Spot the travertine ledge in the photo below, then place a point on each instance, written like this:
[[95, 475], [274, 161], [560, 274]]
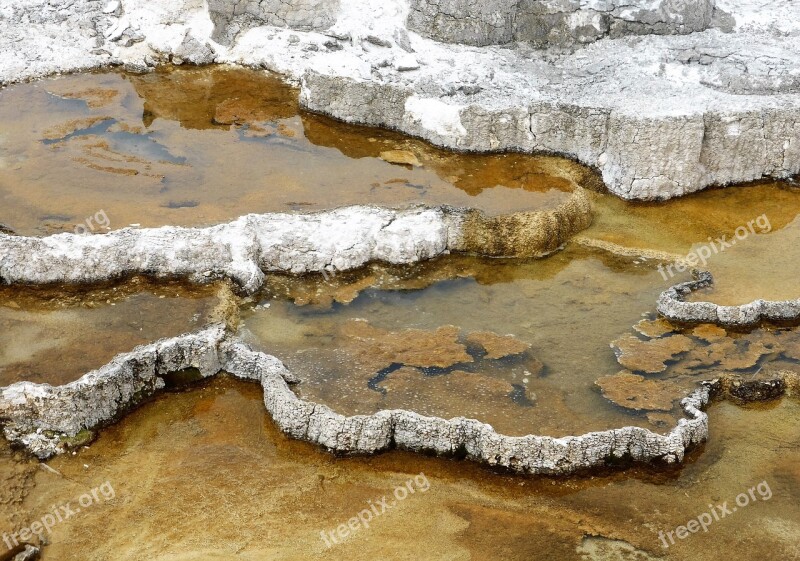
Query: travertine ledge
[[46, 419], [247, 248], [672, 305]]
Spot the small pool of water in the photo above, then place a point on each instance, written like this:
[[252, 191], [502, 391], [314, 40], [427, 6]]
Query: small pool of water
[[206, 145], [559, 346], [565, 308], [54, 336]]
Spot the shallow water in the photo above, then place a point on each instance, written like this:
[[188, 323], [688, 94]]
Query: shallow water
[[55, 336], [760, 264], [543, 303]]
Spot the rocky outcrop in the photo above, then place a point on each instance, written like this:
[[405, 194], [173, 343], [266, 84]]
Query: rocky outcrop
[[554, 22], [672, 305]]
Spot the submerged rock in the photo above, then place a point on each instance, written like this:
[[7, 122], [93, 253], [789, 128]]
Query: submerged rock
[[637, 392], [449, 395], [497, 346], [649, 356], [757, 388], [654, 328], [709, 332], [599, 548], [410, 347], [728, 354], [401, 157]]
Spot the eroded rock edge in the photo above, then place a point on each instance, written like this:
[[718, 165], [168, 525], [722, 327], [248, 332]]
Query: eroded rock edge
[[672, 305]]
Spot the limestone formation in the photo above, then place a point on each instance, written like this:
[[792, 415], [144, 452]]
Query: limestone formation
[[233, 18], [48, 420], [554, 22]]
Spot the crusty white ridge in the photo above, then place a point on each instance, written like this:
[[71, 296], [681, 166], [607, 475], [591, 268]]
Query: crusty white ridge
[[241, 250], [245, 249], [45, 419]]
